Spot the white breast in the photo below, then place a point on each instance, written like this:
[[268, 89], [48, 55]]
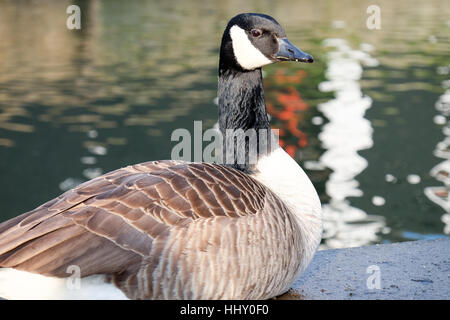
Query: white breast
[[280, 173]]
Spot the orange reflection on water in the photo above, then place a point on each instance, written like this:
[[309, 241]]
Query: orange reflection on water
[[287, 112]]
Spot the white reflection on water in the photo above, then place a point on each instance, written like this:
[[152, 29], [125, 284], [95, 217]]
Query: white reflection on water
[[346, 133], [95, 148], [441, 172], [91, 173], [69, 183]]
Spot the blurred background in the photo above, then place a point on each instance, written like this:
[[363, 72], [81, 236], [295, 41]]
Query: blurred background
[[367, 121]]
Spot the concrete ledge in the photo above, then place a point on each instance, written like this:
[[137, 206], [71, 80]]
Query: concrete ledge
[[406, 270]]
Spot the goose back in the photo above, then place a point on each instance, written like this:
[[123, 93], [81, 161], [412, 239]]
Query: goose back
[[164, 229]]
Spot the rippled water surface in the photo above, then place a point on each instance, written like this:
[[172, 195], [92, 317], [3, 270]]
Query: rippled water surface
[[368, 120]]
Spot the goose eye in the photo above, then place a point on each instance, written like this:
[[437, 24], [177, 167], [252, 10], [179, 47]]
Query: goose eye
[[256, 33]]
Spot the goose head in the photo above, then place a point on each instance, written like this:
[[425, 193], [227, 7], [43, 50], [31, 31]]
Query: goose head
[[252, 40]]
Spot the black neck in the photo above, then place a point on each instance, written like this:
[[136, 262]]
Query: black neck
[[242, 106]]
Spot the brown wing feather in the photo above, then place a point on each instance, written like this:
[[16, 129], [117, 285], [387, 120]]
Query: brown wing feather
[[114, 222]]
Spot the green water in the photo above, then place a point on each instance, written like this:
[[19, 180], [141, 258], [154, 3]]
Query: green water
[[77, 103]]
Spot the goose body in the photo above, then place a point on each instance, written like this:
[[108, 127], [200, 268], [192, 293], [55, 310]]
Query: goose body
[[174, 229]]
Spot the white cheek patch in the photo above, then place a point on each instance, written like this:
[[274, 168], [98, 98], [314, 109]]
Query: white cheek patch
[[247, 55]]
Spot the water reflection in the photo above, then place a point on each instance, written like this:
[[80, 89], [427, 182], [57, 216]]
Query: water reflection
[[441, 172], [346, 133]]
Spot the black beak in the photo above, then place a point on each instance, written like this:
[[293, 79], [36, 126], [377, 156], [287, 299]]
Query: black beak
[[289, 52]]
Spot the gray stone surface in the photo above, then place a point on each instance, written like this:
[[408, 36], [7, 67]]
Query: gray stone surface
[[406, 270]]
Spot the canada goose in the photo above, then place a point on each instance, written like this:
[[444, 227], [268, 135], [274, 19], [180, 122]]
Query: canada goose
[[175, 229]]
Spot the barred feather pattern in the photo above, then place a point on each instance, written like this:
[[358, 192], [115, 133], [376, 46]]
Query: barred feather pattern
[[164, 230]]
